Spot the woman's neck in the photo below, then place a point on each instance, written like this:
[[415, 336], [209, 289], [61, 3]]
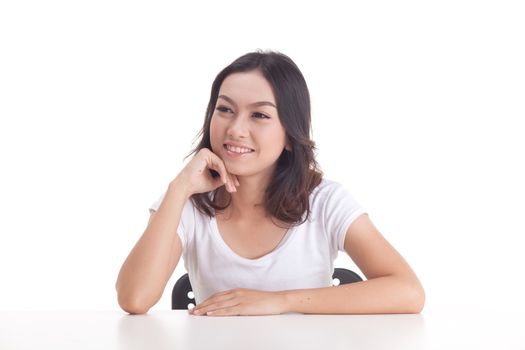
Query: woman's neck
[[244, 206]]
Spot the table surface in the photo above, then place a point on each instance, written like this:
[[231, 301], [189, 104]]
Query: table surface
[[176, 329]]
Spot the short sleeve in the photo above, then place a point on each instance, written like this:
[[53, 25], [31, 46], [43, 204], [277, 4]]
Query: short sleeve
[[187, 219], [339, 211]]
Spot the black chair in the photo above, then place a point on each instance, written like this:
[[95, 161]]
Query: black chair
[[180, 298]]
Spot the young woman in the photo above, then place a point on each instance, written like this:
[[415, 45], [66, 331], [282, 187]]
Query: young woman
[[257, 224]]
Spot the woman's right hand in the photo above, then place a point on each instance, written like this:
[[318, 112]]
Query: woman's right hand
[[197, 178]]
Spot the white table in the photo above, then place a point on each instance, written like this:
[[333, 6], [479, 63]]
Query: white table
[[178, 330]]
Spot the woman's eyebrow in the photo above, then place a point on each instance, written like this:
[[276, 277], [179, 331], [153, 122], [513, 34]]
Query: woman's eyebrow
[[260, 103]]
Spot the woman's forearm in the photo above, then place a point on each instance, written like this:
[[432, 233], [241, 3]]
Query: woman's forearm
[[382, 295], [145, 272]]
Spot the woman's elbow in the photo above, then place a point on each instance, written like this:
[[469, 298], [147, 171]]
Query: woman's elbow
[[416, 302], [133, 308]]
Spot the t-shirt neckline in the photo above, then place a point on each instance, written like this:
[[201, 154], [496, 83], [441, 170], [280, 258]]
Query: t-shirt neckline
[[229, 251]]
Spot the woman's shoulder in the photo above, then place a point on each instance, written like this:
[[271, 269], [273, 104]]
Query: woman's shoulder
[[332, 193], [326, 186]]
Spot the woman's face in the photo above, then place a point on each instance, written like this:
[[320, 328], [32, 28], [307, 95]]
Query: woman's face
[[246, 114]]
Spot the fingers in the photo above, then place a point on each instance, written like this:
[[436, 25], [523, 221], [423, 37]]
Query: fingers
[[216, 301], [228, 179], [219, 164], [232, 184]]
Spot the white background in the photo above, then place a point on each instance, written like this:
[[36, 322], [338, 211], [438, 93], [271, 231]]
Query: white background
[[417, 110]]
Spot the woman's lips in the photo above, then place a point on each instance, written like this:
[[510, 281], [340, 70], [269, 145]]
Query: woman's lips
[[236, 155]]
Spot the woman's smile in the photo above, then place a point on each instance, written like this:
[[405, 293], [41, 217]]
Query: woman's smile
[[236, 152]]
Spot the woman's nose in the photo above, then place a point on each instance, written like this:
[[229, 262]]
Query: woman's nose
[[238, 126]]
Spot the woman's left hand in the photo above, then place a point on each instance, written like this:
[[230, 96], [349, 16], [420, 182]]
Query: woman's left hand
[[241, 301]]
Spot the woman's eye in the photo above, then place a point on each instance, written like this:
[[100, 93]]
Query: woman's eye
[[257, 114], [262, 116], [223, 109]]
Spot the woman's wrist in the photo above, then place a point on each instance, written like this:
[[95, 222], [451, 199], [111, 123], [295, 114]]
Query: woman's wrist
[[177, 185]]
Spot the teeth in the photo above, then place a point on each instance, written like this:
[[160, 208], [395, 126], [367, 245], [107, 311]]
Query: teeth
[[238, 149]]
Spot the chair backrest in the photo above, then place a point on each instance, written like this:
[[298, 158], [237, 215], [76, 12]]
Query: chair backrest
[[182, 294]]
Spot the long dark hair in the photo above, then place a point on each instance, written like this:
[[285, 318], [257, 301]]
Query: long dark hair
[[297, 172]]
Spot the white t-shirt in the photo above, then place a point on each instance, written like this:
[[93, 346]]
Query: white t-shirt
[[303, 259]]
